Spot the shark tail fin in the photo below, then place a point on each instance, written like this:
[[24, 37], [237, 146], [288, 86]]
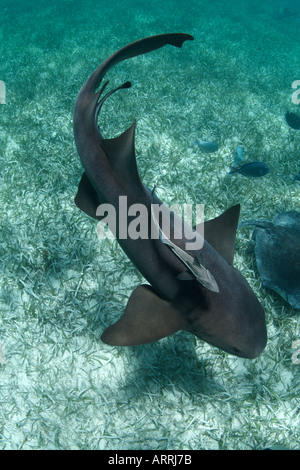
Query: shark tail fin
[[147, 318]]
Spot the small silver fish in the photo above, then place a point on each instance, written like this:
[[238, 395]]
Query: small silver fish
[[206, 146], [238, 155]]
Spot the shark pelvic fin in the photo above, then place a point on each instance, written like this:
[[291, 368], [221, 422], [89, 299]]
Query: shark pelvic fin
[[220, 232], [146, 318]]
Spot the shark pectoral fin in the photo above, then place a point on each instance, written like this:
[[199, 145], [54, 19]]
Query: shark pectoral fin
[[220, 232], [86, 198], [146, 318]]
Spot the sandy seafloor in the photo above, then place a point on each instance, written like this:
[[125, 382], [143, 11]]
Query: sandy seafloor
[[60, 386]]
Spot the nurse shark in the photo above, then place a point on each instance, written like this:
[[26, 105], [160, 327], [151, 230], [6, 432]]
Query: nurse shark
[[194, 290]]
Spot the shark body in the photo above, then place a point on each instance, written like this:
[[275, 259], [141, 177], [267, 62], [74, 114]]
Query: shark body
[[199, 291]]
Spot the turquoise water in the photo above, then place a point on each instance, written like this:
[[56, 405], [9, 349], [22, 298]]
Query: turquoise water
[[60, 387]]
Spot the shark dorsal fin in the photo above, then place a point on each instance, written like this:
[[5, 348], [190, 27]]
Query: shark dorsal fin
[[220, 232], [121, 155], [147, 318]]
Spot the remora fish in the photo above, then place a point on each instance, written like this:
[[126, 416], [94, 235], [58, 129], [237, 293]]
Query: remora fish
[[232, 318], [194, 266]]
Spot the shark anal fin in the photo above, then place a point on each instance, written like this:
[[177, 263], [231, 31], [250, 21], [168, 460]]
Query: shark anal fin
[[146, 318], [220, 232]]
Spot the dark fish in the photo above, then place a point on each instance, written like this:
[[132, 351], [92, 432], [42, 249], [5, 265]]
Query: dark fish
[[297, 177], [277, 252], [293, 120], [216, 304], [254, 169]]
